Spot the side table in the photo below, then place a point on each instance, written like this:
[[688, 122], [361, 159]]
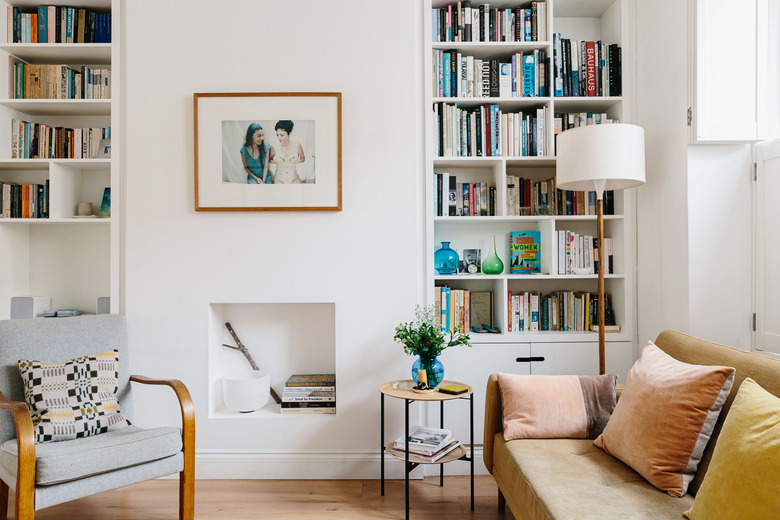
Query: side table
[[407, 393]]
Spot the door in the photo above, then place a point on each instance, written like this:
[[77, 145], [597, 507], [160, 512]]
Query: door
[[766, 258]]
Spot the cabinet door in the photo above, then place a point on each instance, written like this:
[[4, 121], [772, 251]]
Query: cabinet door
[[581, 358], [473, 366]]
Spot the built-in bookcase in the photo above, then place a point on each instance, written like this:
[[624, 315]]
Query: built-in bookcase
[[72, 259], [605, 21]]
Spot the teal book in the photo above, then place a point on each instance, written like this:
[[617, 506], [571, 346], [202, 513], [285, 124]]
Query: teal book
[[105, 206]]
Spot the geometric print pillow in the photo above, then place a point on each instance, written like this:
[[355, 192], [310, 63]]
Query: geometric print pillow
[[73, 399]]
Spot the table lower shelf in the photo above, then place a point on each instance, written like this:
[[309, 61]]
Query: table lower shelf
[[456, 454]]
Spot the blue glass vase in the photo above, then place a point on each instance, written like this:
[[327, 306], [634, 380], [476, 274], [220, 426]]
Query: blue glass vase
[[445, 260], [433, 369]]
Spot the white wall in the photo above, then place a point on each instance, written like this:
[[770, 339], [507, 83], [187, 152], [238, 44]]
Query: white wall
[[662, 208], [365, 258]]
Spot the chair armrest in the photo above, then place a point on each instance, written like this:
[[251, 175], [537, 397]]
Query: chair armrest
[[25, 442], [187, 408], [494, 420]]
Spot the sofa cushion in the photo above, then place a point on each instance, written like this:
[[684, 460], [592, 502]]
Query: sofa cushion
[[571, 479], [58, 462], [745, 469], [556, 406], [72, 399], [665, 417]]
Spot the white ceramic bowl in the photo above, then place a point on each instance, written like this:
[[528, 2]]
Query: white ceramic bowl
[[246, 391]]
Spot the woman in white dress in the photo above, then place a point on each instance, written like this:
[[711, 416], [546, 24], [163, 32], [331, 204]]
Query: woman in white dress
[[286, 155]]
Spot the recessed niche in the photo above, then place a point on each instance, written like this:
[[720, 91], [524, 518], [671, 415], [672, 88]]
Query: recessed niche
[[283, 339]]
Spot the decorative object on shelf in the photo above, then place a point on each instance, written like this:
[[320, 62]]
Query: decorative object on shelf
[[492, 264], [237, 159], [470, 262], [601, 157], [445, 260], [428, 372], [424, 338], [105, 206], [104, 149], [254, 382], [84, 209]]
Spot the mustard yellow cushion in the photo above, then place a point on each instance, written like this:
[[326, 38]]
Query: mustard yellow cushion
[[665, 417], [743, 480]]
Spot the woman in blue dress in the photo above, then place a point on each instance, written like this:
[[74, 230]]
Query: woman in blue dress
[[253, 155]]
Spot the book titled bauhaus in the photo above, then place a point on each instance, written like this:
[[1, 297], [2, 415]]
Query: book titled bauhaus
[[525, 248]]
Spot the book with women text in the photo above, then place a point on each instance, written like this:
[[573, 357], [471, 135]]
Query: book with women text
[[525, 249]]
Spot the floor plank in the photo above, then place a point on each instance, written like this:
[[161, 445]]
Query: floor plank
[[291, 499]]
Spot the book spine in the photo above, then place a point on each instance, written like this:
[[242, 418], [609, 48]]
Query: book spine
[[309, 388]]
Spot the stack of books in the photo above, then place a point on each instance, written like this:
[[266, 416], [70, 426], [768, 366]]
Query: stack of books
[[425, 444], [309, 394]]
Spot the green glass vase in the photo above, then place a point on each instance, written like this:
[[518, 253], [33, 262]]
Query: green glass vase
[[492, 264]]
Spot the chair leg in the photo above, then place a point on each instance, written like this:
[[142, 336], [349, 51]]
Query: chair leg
[[25, 505], [3, 500], [501, 501], [186, 494]]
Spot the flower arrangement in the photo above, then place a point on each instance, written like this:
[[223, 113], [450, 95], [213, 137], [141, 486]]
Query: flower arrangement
[[423, 337]]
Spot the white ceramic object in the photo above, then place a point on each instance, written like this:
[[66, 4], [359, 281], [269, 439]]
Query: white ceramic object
[[246, 391]]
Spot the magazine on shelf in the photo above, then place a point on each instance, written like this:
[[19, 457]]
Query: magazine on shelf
[[426, 458], [425, 440]]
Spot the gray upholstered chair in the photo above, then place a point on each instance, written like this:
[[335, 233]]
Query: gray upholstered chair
[[47, 474]]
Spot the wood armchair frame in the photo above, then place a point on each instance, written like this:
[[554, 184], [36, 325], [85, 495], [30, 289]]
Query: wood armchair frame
[[25, 438]]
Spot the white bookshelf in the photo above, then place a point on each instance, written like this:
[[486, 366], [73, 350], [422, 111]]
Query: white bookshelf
[[605, 20], [72, 260]]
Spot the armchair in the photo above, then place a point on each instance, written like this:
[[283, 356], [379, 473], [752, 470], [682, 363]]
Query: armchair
[[43, 475]]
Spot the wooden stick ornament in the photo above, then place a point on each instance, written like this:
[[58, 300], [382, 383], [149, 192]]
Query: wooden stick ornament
[[241, 348]]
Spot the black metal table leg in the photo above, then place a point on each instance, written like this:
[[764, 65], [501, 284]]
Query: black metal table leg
[[382, 446], [406, 462], [441, 425], [471, 422]]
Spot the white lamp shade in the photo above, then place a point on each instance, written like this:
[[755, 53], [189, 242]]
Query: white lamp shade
[[608, 154]]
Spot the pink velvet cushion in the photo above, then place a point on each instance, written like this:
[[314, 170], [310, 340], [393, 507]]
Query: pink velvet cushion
[[665, 417], [546, 407]]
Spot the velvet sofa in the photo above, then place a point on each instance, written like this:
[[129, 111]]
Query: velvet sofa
[[574, 479]]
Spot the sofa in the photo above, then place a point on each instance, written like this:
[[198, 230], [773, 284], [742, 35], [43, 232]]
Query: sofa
[[574, 479]]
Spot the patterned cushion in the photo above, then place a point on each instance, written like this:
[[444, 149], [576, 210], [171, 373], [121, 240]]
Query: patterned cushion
[[73, 399]]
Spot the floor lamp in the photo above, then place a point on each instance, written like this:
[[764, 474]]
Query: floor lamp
[[598, 158]]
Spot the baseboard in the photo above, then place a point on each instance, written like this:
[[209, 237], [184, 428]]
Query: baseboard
[[224, 464]]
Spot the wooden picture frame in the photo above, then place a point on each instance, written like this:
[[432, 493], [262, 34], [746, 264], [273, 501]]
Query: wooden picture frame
[[267, 151]]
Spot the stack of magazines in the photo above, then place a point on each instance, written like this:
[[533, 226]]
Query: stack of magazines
[[425, 444]]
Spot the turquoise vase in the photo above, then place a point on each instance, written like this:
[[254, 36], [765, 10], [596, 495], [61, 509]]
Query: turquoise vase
[[445, 260], [433, 369]]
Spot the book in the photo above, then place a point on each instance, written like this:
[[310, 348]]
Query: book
[[453, 389], [481, 308], [309, 410], [525, 249], [607, 328], [425, 458], [425, 440], [309, 396], [310, 380], [308, 404]]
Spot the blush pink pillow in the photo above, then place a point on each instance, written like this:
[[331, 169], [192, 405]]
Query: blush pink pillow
[[665, 417], [545, 407]]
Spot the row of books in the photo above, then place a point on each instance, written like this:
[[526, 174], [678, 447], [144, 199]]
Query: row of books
[[425, 444], [532, 311], [462, 199], [462, 22], [57, 24], [24, 200], [579, 254], [458, 75], [40, 141], [59, 82], [309, 394], [453, 309], [486, 131], [586, 68]]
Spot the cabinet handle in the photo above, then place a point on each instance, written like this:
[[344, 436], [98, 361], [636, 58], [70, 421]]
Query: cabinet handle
[[529, 359]]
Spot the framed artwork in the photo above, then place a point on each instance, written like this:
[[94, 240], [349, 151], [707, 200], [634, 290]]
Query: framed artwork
[[268, 151]]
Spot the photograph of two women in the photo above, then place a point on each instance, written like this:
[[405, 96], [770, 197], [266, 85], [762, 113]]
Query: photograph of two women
[[264, 152]]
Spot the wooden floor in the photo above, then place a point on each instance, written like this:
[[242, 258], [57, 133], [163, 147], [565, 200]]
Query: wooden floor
[[288, 499]]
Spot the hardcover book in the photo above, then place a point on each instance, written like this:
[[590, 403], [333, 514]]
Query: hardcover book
[[311, 380], [525, 250]]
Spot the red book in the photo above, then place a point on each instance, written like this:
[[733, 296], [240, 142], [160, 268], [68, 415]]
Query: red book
[[590, 68]]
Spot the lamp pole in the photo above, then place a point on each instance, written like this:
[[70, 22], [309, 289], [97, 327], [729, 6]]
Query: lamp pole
[[600, 238]]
